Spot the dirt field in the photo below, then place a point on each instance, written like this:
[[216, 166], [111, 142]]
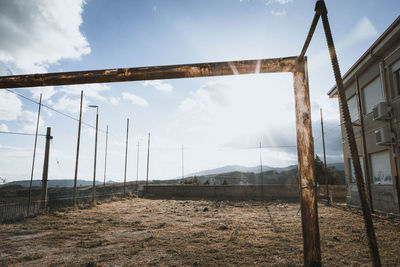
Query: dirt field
[[167, 232]]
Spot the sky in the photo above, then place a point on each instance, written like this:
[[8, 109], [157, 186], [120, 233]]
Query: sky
[[219, 121]]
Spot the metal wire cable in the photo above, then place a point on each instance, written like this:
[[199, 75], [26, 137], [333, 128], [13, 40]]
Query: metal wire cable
[[53, 109], [16, 133]]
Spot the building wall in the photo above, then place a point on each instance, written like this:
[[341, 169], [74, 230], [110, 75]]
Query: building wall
[[384, 196]]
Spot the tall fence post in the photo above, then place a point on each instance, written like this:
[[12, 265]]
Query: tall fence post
[[34, 155], [43, 198], [77, 151], [148, 159], [126, 154]]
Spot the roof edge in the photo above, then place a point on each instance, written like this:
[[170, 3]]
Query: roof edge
[[333, 91]]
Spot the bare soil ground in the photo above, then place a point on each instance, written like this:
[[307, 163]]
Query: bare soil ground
[[140, 232]]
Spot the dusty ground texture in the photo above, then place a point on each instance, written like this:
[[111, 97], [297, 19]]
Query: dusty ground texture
[[140, 232]]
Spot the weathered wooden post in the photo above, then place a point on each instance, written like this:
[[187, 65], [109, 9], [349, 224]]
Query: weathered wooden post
[[305, 151]]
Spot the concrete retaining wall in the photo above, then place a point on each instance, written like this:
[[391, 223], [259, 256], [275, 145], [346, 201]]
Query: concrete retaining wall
[[383, 197], [232, 192]]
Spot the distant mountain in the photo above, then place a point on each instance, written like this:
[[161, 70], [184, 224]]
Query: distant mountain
[[338, 166], [256, 169], [53, 183], [239, 168]]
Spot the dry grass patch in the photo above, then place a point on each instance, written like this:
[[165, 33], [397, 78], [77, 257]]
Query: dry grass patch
[[169, 232]]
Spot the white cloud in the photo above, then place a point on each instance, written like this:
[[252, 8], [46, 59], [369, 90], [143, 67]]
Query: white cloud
[[40, 33], [114, 100], [281, 2], [3, 127], [10, 106], [235, 107], [70, 105], [159, 85], [28, 120], [278, 13], [47, 92], [362, 31], [89, 90], [137, 100], [207, 97], [89, 131]]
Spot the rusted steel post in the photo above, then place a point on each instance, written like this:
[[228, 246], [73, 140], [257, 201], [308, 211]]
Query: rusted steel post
[[77, 151], [309, 35], [305, 151], [364, 146], [126, 154], [150, 73], [34, 154], [325, 168], [369, 226], [46, 169]]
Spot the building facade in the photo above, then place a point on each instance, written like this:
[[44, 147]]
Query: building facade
[[372, 87]]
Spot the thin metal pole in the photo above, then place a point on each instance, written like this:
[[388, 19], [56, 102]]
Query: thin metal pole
[[325, 169], [45, 169], [105, 158], [148, 158], [137, 170], [95, 157], [183, 174], [126, 154], [77, 151], [369, 226], [261, 170], [34, 154]]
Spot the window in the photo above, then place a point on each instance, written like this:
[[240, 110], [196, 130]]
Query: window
[[352, 173], [396, 78], [372, 94], [352, 103], [380, 167]]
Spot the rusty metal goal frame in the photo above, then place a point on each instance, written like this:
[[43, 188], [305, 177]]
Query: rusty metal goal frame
[[295, 65]]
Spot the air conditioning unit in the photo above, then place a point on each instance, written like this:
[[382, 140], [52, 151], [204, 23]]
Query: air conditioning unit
[[383, 136], [381, 111]]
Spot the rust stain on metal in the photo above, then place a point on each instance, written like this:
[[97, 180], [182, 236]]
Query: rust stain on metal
[[151, 73]]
